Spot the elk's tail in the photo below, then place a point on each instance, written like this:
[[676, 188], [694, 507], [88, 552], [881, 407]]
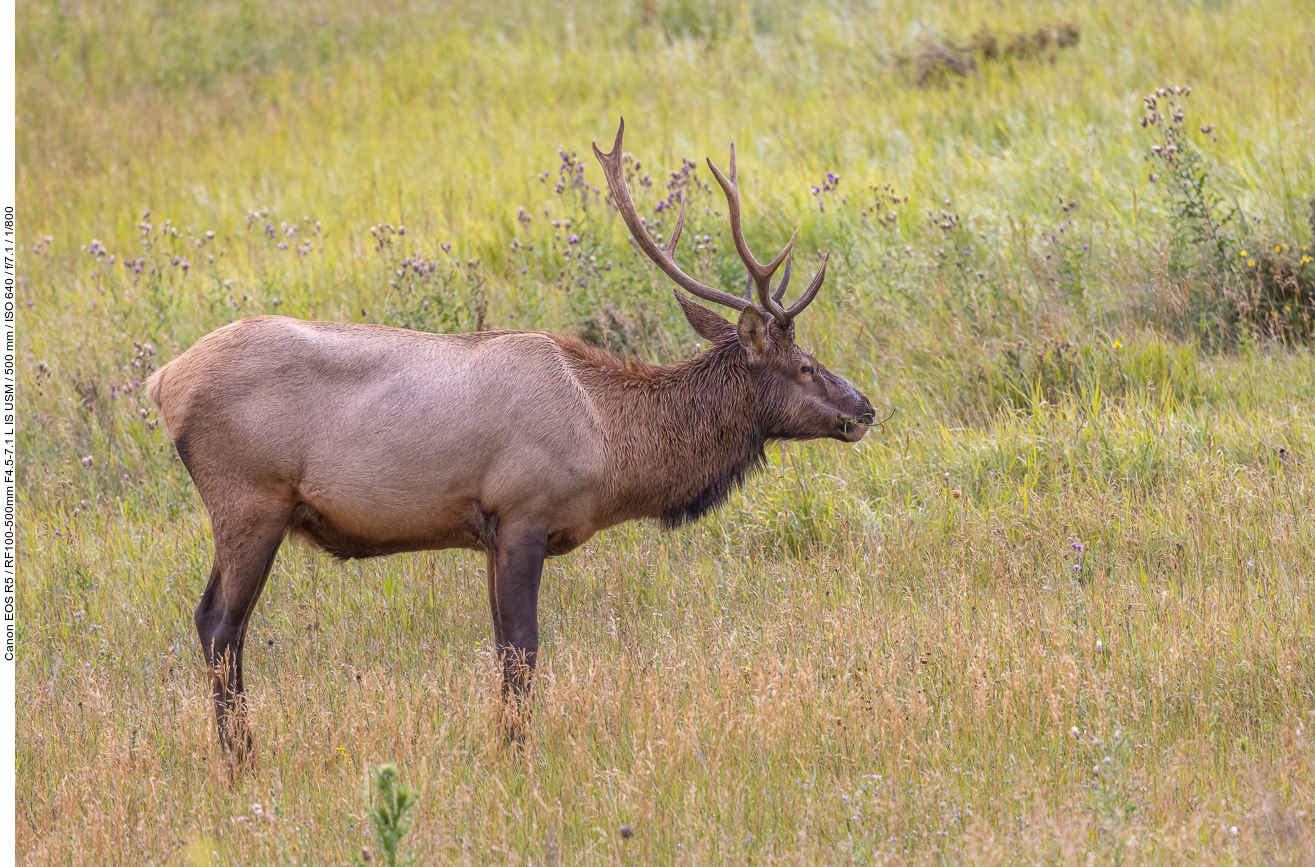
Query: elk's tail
[[154, 387]]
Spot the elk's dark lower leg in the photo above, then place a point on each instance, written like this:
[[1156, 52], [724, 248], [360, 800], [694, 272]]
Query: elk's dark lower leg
[[244, 552], [491, 561], [515, 570]]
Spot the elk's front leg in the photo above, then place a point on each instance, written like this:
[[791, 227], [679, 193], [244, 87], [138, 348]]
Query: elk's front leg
[[515, 570]]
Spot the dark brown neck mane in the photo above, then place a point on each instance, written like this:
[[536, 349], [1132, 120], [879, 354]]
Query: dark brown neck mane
[[681, 437]]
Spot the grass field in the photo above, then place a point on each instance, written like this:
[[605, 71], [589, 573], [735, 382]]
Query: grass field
[[1060, 609]]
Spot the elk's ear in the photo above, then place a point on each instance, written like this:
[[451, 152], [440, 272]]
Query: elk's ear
[[705, 323], [752, 333]]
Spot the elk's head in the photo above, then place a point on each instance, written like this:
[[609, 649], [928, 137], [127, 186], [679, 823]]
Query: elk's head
[[798, 397]]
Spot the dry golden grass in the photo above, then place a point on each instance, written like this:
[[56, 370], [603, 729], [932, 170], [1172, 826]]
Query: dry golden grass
[[908, 690]]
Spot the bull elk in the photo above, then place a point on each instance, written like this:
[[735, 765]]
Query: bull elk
[[367, 440]]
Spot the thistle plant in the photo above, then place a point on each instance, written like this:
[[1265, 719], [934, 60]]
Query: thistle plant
[[441, 293], [1196, 214], [829, 185]]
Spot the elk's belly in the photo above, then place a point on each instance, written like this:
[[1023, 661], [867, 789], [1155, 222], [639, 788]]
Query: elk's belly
[[456, 523], [459, 524]]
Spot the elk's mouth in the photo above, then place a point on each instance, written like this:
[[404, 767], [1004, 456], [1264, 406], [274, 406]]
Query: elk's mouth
[[852, 430]]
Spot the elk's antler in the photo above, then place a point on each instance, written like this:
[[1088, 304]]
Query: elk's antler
[[662, 257], [759, 275]]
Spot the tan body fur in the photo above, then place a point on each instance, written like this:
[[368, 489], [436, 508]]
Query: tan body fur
[[388, 440]]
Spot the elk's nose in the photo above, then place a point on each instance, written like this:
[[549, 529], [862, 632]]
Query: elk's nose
[[869, 415]]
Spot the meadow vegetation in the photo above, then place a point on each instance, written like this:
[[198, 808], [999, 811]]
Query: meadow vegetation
[[1059, 609]]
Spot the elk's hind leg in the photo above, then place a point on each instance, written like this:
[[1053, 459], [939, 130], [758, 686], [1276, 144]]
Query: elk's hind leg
[[247, 536]]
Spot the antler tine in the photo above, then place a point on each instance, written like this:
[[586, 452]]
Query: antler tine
[[761, 274], [675, 234], [616, 183], [769, 303], [811, 292], [748, 289], [785, 280]]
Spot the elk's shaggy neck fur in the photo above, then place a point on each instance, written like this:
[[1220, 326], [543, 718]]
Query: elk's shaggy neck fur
[[681, 437]]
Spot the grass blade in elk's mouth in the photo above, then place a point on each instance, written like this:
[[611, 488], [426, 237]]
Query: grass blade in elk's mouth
[[881, 424], [868, 424]]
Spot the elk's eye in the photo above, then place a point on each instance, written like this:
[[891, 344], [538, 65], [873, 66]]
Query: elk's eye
[[806, 370]]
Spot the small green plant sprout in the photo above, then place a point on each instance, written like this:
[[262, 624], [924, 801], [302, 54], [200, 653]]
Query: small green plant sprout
[[393, 801]]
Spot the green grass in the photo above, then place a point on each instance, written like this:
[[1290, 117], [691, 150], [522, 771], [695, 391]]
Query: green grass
[[1089, 511]]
